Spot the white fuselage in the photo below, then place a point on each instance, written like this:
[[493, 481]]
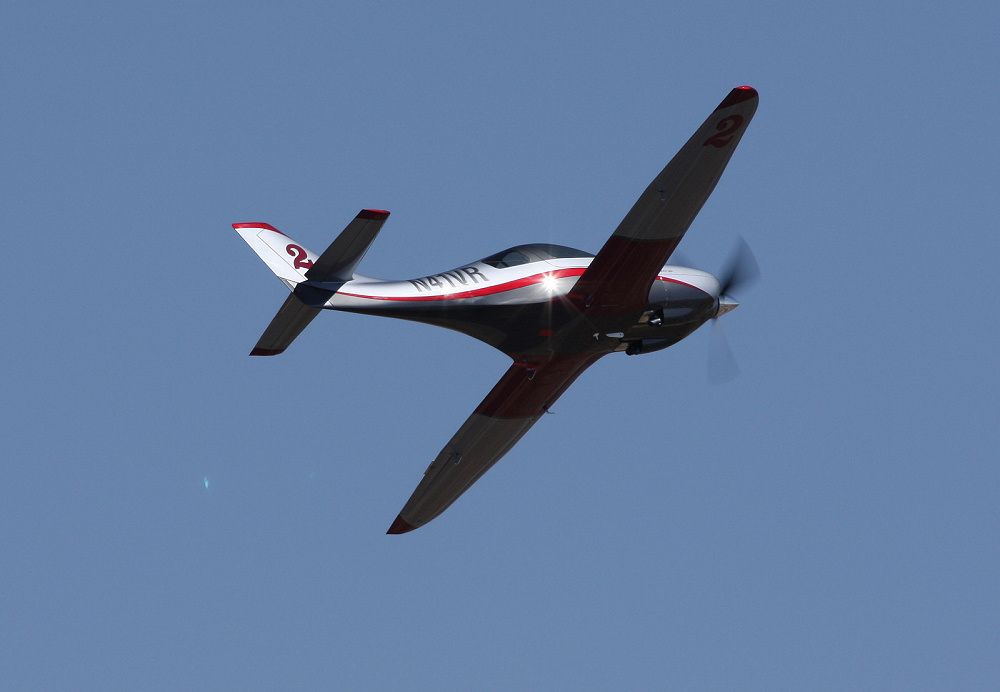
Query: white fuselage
[[479, 284]]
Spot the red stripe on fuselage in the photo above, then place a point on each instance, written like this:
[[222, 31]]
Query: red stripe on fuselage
[[490, 290], [484, 291], [667, 279]]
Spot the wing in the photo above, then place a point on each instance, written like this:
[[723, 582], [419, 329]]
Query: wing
[[622, 272], [519, 399]]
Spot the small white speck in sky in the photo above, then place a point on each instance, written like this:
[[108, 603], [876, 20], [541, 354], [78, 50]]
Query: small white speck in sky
[[205, 482]]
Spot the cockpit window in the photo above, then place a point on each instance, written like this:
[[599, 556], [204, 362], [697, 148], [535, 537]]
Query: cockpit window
[[535, 252], [507, 258], [548, 251]]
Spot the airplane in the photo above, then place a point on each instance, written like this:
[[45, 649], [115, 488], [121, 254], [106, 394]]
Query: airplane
[[553, 309]]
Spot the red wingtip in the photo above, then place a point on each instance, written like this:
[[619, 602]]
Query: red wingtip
[[257, 224], [400, 526], [738, 95], [376, 214], [266, 351]]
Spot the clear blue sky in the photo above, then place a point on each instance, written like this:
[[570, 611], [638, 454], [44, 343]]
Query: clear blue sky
[[827, 521]]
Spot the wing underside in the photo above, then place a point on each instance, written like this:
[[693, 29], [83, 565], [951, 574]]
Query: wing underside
[[518, 400], [620, 276]]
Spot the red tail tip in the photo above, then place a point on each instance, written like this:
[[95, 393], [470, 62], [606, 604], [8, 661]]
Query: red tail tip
[[373, 214], [256, 224]]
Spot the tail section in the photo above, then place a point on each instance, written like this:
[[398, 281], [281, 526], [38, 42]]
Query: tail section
[[312, 279], [288, 259]]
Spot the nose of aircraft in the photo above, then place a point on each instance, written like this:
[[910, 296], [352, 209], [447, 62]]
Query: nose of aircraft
[[696, 278], [726, 304]]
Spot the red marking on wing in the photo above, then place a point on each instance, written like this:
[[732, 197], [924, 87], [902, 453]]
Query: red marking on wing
[[266, 351], [528, 389], [258, 224], [400, 526], [621, 274], [738, 95], [375, 214], [726, 130]]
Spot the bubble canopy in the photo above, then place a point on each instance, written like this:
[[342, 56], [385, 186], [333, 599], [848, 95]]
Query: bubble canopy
[[533, 252]]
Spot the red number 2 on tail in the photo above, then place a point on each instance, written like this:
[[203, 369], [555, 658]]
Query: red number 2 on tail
[[300, 255]]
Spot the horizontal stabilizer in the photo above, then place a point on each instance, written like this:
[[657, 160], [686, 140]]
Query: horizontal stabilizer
[[288, 323], [337, 263]]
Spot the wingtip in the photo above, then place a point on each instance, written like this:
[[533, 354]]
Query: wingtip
[[739, 94], [266, 351], [374, 214], [399, 526]]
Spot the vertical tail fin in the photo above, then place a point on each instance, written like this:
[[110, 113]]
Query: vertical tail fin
[[288, 259]]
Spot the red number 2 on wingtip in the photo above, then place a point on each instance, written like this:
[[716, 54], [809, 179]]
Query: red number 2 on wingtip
[[300, 255], [726, 131]]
